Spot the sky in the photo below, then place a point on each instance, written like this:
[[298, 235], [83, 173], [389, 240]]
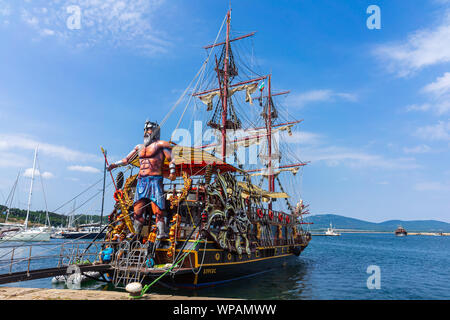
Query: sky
[[374, 102]]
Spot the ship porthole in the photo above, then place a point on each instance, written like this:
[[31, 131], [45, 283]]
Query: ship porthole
[[217, 256], [229, 256]]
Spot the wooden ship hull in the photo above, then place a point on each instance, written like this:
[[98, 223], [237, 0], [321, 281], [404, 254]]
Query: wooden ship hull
[[206, 267], [219, 266], [208, 243]]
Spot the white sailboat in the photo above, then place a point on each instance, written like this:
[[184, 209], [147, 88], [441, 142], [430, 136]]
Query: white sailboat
[[24, 233]]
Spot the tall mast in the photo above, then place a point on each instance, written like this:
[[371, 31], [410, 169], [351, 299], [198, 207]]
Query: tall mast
[[269, 139], [225, 90], [11, 197], [31, 188]]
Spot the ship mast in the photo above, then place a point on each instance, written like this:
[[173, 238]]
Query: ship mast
[[225, 75], [225, 89], [269, 139]]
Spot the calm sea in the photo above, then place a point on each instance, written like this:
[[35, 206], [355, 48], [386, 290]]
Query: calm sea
[[412, 267]]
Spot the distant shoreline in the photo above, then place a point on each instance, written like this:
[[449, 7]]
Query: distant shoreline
[[423, 233]]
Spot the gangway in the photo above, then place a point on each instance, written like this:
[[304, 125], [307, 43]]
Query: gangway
[[33, 261]]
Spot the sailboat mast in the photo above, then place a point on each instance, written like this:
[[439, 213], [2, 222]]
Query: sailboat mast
[[225, 90], [11, 197], [31, 188]]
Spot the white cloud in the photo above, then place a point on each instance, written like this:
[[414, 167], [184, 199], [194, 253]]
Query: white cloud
[[439, 94], [314, 148], [431, 186], [302, 138], [419, 107], [125, 23], [83, 169], [47, 32], [334, 156], [5, 9], [29, 19], [418, 149], [10, 160], [423, 48], [14, 142], [439, 131], [46, 175], [440, 87], [301, 99]]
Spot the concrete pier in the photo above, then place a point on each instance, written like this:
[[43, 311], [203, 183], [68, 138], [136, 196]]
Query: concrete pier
[[12, 293]]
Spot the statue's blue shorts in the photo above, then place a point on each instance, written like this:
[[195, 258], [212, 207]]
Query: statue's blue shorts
[[150, 187]]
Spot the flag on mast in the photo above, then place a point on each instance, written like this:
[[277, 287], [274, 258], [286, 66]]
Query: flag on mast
[[261, 86]]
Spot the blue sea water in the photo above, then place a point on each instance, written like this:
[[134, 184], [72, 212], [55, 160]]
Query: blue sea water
[[411, 267]]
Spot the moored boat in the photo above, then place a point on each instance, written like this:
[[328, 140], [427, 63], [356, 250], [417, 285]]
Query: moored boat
[[190, 217], [400, 232], [331, 231]]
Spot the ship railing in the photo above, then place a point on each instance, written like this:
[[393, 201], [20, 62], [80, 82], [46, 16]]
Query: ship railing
[[26, 258]]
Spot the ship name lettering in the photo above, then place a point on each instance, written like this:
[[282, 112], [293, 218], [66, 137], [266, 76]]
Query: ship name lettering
[[209, 271]]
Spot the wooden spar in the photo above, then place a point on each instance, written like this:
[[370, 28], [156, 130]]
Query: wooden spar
[[252, 137], [234, 141], [235, 39], [231, 86], [281, 167], [273, 95], [279, 125], [225, 91]]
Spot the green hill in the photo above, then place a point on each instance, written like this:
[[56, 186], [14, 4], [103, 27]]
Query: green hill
[[38, 217], [340, 222]]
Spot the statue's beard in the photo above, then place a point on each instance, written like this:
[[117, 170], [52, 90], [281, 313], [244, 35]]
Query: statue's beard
[[149, 139]]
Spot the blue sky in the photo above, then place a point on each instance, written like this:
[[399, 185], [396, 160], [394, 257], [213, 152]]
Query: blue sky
[[375, 103]]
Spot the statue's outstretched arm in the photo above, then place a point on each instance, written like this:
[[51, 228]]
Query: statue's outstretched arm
[[130, 157]]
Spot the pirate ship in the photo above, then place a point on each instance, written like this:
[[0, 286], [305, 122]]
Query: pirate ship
[[225, 218]]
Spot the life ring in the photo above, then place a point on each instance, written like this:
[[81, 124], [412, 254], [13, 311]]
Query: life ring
[[116, 195], [280, 216], [260, 213], [270, 214]]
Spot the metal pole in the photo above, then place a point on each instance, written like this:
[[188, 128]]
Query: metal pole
[[12, 259], [31, 189], [103, 195], [29, 260]]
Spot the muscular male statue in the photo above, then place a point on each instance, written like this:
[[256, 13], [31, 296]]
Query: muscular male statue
[[150, 180]]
